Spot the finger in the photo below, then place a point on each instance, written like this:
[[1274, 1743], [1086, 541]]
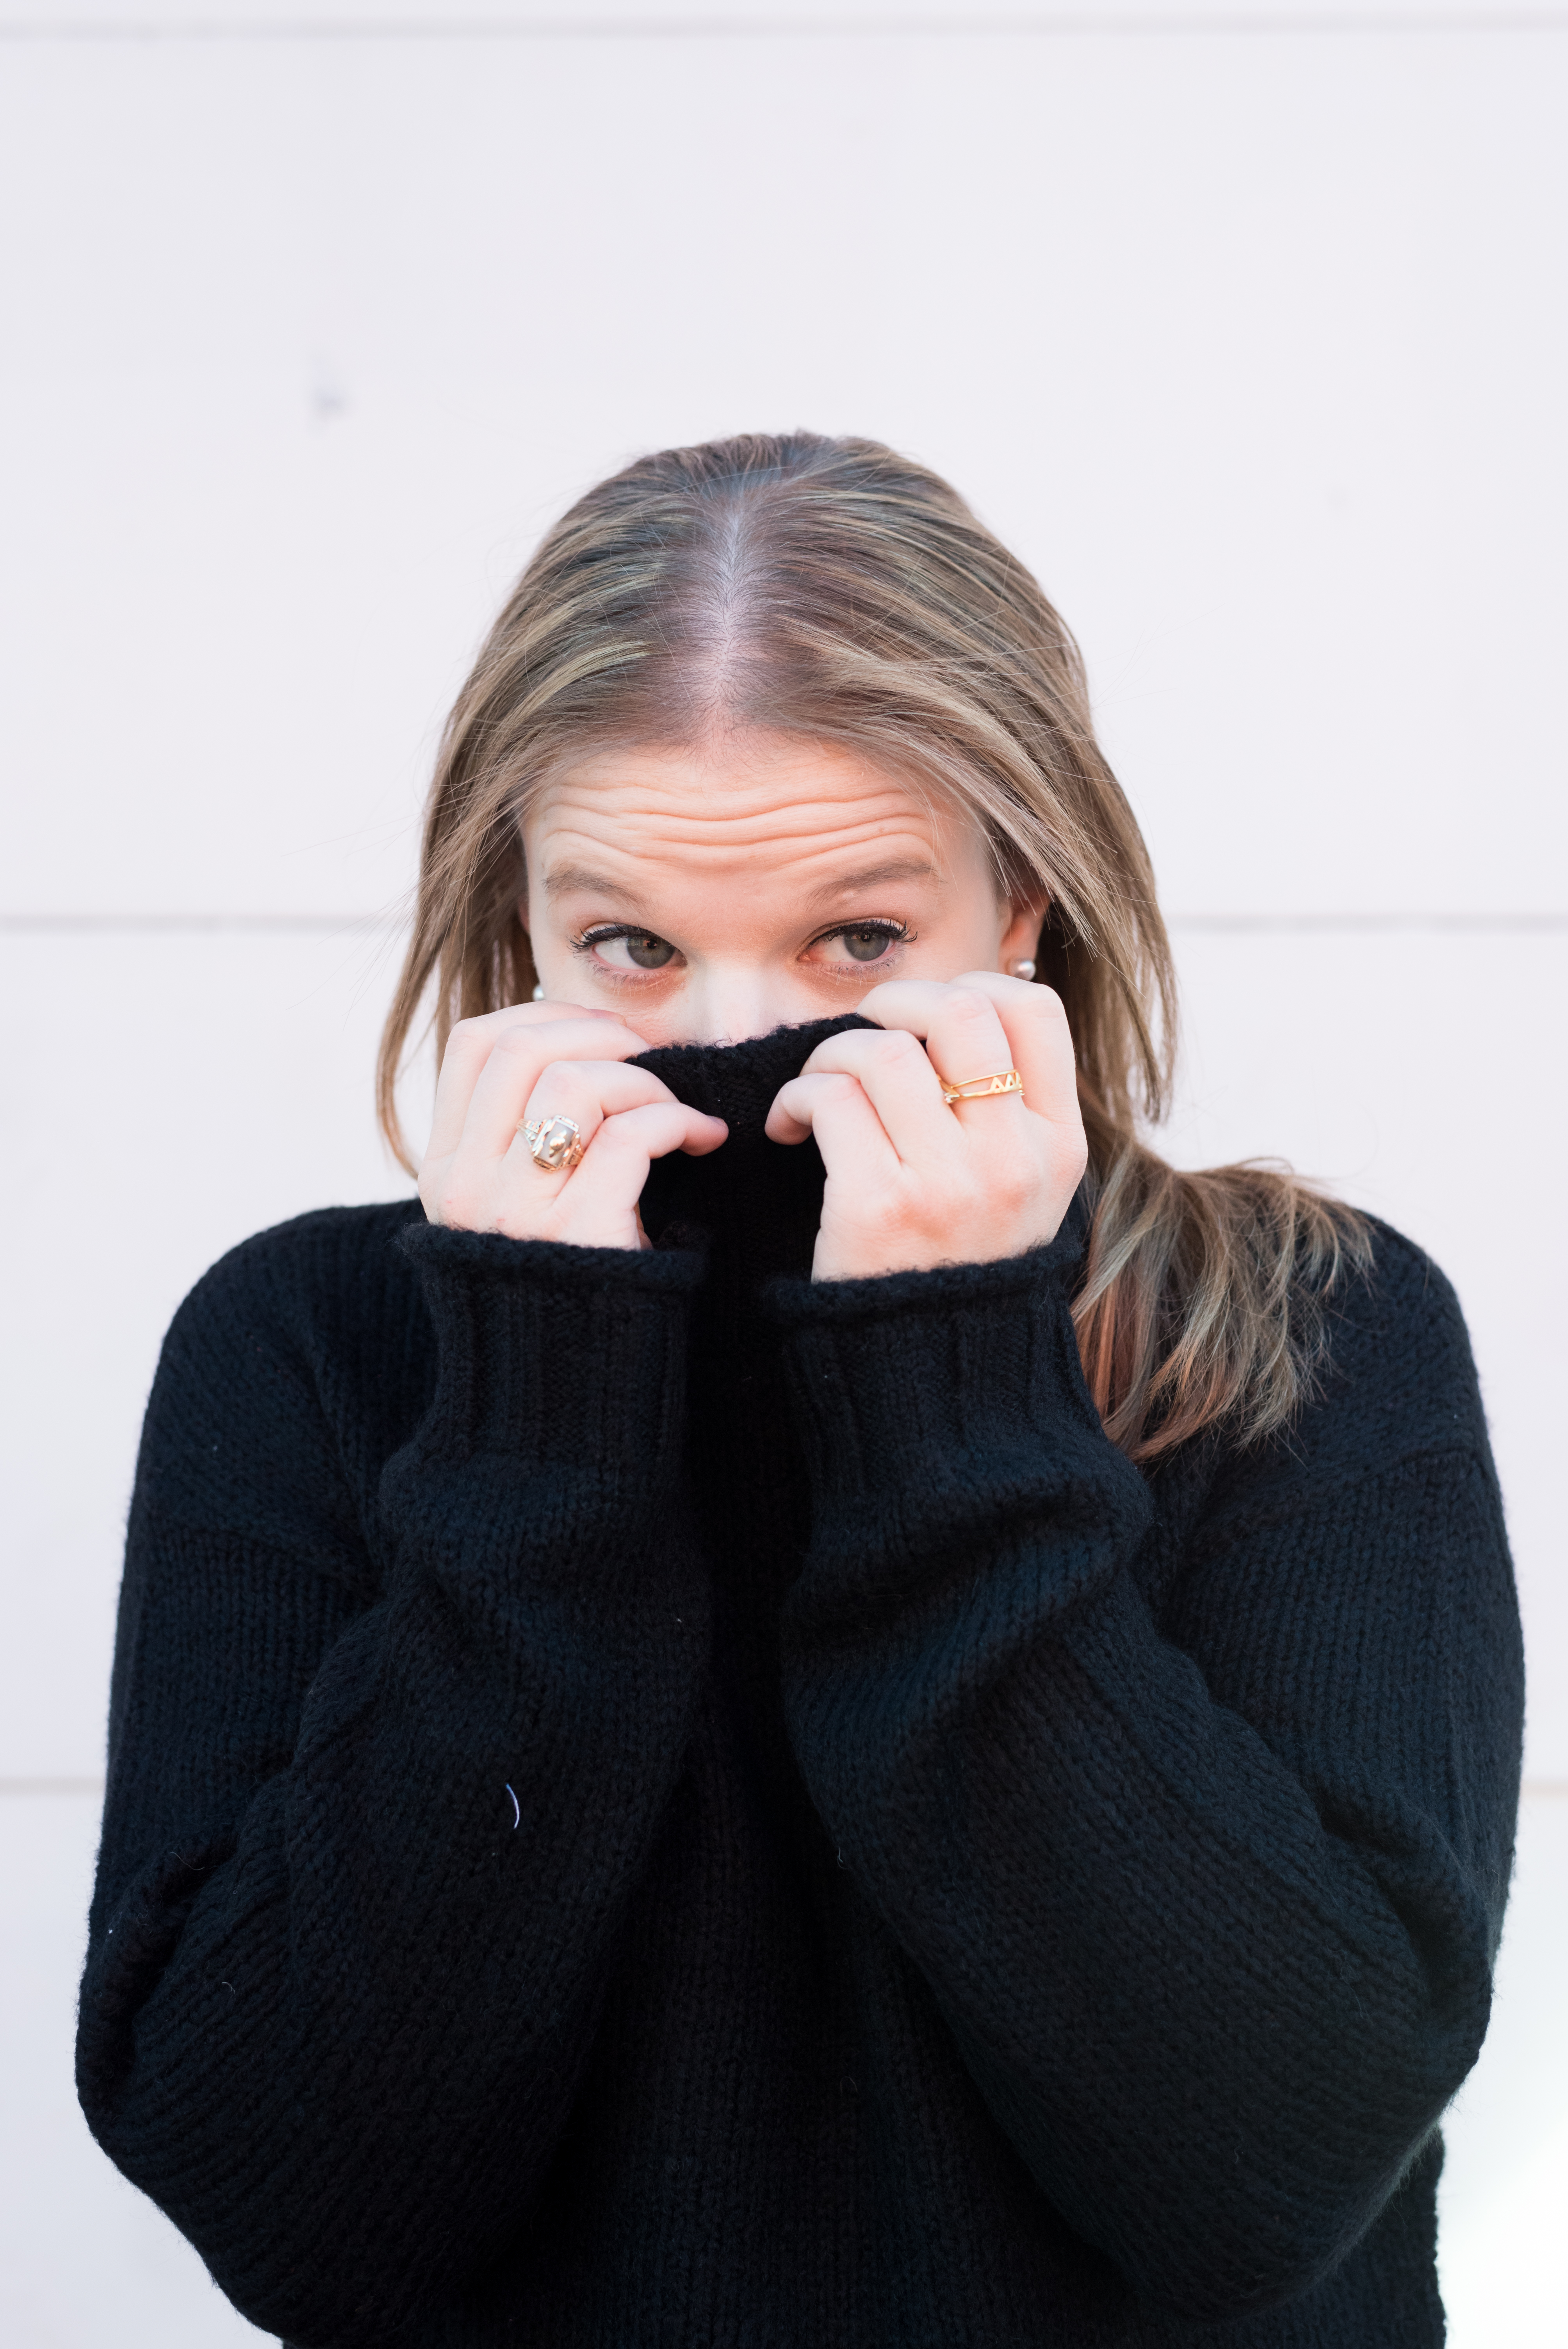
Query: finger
[[517, 1059], [613, 1170], [897, 1079], [834, 1107], [966, 1041], [1033, 1019], [910, 1003], [469, 1046], [588, 1092], [1036, 1023], [958, 1018]]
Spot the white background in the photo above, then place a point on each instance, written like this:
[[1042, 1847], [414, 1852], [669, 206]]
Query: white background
[[1244, 326]]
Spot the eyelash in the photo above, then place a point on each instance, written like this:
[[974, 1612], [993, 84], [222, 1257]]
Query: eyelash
[[898, 933], [602, 934]]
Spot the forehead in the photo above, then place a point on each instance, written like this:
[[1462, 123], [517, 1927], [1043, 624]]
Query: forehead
[[767, 802]]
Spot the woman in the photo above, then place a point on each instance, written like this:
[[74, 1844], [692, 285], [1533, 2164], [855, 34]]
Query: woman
[[910, 1741]]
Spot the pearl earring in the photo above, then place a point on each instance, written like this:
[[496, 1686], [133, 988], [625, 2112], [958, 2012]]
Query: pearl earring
[[539, 988], [1022, 968]]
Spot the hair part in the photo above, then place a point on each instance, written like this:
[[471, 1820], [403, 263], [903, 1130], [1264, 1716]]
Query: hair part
[[831, 589]]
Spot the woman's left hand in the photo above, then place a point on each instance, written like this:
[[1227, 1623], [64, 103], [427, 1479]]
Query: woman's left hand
[[911, 1182]]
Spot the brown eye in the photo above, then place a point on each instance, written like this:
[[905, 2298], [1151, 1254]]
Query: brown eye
[[645, 950], [866, 945]]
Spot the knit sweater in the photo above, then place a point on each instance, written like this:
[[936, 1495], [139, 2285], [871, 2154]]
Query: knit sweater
[[654, 1803]]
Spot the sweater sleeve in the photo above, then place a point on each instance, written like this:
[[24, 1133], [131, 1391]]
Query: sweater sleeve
[[1208, 1900], [369, 1854]]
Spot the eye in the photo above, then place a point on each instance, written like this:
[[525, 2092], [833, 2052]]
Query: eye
[[867, 945], [862, 941], [646, 951], [628, 950]]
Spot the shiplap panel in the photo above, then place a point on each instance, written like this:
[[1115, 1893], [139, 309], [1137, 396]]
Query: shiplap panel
[[1408, 1070], [1249, 346], [166, 1096], [807, 19]]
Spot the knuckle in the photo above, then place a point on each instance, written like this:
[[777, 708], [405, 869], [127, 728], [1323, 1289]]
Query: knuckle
[[616, 1137], [885, 1211], [967, 1199]]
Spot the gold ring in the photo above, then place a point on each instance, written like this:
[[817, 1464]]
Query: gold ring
[[554, 1143], [981, 1088]]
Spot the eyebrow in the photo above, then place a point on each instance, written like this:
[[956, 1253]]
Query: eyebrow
[[872, 876], [566, 877]]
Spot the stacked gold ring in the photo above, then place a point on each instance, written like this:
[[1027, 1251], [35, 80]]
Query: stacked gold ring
[[981, 1088]]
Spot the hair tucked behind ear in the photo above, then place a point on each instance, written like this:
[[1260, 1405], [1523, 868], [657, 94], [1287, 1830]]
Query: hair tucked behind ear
[[831, 589]]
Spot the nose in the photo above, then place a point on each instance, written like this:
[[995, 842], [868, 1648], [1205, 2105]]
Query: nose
[[732, 1000]]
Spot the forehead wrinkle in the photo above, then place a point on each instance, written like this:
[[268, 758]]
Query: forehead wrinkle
[[649, 837], [719, 828], [654, 874], [581, 855]]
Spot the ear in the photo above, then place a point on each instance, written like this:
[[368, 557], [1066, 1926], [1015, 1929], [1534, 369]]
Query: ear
[[1025, 919]]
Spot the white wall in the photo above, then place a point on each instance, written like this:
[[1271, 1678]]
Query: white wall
[[1244, 326]]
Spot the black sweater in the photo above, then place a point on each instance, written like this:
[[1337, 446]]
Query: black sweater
[[650, 1808]]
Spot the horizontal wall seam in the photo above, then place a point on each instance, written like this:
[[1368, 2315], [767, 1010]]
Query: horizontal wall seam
[[1487, 925], [133, 924], [51, 1785], [1200, 25]]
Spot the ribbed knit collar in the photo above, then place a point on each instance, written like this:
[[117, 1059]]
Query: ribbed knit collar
[[738, 1082], [753, 1203]]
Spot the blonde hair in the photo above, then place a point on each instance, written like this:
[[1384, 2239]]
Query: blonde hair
[[832, 589]]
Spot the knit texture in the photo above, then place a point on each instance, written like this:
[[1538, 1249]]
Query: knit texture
[[653, 1804]]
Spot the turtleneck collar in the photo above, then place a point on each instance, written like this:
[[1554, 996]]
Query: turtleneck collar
[[753, 1208], [754, 1204], [738, 1082]]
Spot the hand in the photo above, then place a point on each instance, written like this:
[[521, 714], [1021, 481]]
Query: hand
[[912, 1183], [551, 1059]]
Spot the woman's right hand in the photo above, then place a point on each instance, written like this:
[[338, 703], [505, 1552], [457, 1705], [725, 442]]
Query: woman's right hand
[[540, 1060]]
